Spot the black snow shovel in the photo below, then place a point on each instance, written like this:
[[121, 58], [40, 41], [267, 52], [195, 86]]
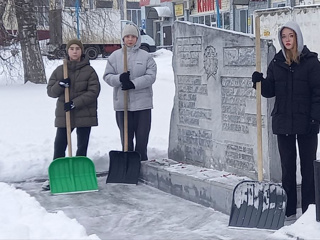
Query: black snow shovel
[[71, 174], [124, 166], [258, 204]]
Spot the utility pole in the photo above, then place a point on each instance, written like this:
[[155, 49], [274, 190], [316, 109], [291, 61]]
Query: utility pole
[[77, 15], [123, 9], [218, 14]]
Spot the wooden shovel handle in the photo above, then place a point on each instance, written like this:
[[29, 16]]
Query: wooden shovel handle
[[125, 94], [67, 99], [258, 96]]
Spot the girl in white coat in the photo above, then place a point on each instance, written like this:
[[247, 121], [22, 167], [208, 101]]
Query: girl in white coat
[[138, 81]]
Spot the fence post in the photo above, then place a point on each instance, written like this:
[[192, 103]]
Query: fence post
[[317, 187]]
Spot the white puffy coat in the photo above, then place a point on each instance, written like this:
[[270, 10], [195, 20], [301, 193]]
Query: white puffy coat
[[143, 70]]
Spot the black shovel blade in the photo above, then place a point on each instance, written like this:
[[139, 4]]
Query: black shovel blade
[[258, 205], [124, 167]]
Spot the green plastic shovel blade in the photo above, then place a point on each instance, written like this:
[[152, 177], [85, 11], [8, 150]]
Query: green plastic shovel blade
[[72, 174]]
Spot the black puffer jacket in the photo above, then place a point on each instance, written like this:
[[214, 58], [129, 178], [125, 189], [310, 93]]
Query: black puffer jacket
[[296, 89]]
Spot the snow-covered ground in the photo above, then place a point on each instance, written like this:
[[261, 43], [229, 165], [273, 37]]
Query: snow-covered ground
[[26, 149]]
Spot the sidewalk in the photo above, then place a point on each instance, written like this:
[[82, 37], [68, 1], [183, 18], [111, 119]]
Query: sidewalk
[[119, 211]]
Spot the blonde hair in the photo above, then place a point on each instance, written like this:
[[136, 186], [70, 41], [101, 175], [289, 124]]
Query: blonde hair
[[293, 55]]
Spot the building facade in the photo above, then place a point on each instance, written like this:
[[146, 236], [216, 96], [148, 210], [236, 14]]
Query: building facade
[[157, 16]]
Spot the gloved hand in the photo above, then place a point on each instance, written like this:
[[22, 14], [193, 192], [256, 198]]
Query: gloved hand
[[68, 106], [256, 77], [313, 127], [128, 85], [124, 77], [65, 83]]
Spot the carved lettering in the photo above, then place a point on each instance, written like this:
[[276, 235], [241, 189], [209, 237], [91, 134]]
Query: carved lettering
[[239, 56], [235, 92], [240, 156], [189, 49]]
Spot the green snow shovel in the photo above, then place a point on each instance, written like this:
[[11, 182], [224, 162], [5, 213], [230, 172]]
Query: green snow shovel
[[124, 167], [258, 204], [71, 174]]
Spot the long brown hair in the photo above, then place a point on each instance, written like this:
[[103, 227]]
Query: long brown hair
[[293, 55]]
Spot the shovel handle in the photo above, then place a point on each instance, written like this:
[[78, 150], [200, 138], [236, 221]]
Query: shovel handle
[[258, 97], [67, 99], [125, 95]]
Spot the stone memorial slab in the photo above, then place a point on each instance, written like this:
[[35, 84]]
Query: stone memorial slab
[[213, 122]]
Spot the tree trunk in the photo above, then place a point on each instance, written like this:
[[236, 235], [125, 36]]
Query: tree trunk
[[31, 55], [4, 35]]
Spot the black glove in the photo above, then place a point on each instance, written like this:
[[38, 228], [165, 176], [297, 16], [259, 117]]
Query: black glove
[[314, 127], [65, 83], [127, 85], [68, 106], [256, 77], [125, 77]]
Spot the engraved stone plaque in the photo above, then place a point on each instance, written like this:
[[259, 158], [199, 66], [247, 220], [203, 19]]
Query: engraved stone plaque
[[213, 122]]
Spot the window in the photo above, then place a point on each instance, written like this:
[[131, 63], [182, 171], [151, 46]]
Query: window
[[88, 4], [134, 15], [226, 20], [70, 3], [129, 15], [207, 20], [104, 4], [279, 4], [201, 19], [243, 21], [211, 20], [42, 15]]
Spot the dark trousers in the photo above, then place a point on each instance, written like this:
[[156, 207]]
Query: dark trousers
[[61, 142], [307, 145], [139, 125]]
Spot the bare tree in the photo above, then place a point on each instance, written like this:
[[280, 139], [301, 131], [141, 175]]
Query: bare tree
[[31, 54], [4, 34], [9, 50]]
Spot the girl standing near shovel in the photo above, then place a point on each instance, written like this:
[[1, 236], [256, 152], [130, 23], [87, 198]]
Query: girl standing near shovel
[[293, 79], [84, 88], [138, 82]]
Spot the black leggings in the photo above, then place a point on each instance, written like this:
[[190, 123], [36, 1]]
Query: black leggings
[[60, 143], [139, 125], [307, 145]]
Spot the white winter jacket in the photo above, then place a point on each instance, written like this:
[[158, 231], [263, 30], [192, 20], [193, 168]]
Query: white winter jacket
[[143, 70]]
